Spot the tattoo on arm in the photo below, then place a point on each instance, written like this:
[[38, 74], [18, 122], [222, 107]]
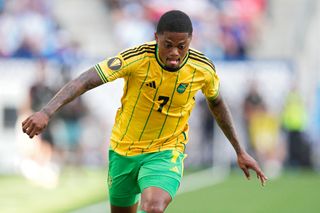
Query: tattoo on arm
[[74, 88], [224, 119]]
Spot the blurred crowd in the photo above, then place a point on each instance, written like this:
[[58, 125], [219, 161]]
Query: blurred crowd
[[223, 29], [28, 29]]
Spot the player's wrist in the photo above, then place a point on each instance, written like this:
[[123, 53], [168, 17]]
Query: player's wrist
[[46, 112], [240, 151]]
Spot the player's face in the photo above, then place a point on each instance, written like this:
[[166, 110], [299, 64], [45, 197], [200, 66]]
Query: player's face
[[173, 47]]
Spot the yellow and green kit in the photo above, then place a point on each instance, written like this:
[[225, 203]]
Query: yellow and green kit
[[156, 103], [151, 127]]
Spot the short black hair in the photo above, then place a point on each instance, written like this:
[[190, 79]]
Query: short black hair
[[175, 21]]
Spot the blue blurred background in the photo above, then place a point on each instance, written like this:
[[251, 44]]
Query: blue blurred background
[[265, 52]]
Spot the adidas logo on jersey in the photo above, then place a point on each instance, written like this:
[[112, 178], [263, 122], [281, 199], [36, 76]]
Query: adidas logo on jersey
[[151, 84]]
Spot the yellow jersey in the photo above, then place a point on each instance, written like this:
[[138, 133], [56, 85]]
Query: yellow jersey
[[156, 103]]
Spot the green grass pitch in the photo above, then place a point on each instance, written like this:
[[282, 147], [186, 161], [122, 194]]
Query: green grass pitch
[[293, 192]]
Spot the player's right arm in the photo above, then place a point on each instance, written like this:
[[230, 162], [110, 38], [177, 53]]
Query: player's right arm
[[37, 122]]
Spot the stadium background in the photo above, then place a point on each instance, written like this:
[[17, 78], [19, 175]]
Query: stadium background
[[267, 45]]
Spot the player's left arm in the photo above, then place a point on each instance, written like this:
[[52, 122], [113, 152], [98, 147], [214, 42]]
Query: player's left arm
[[38, 121], [223, 117]]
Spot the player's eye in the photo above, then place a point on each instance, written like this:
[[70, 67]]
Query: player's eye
[[181, 47], [167, 45]]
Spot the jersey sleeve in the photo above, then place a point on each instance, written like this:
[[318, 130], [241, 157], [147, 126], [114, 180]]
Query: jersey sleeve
[[112, 68], [211, 86]]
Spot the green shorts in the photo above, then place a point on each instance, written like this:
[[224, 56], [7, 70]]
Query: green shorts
[[129, 176]]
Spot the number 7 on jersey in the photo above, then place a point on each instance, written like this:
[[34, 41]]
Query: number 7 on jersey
[[164, 100]]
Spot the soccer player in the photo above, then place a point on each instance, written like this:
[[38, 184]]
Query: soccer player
[[151, 127]]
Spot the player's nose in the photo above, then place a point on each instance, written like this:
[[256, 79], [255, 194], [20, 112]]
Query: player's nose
[[174, 52]]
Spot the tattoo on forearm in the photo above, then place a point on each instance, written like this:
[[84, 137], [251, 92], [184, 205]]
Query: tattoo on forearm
[[224, 120], [72, 90]]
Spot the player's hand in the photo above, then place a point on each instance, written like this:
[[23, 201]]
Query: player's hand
[[35, 124], [246, 162]]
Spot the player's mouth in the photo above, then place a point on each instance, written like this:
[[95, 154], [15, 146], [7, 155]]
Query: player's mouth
[[173, 62]]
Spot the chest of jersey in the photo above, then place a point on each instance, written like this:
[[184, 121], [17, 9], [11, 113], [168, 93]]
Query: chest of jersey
[[167, 92]]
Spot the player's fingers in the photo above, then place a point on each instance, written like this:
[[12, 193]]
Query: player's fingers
[[29, 129], [25, 124], [263, 180], [246, 172], [262, 177], [32, 133], [25, 121], [28, 124]]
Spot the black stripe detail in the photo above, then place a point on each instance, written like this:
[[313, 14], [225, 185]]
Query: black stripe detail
[[201, 56], [139, 53], [196, 52], [133, 50], [203, 61], [139, 50], [136, 48]]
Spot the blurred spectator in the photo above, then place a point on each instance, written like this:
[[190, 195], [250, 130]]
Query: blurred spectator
[[40, 94], [294, 120], [38, 164], [252, 102], [234, 37], [264, 131], [70, 130], [207, 130]]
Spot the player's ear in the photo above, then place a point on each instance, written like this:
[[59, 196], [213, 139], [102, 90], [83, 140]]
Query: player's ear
[[156, 36]]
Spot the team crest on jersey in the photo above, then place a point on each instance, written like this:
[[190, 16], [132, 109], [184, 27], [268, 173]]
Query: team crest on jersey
[[114, 63], [182, 87]]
